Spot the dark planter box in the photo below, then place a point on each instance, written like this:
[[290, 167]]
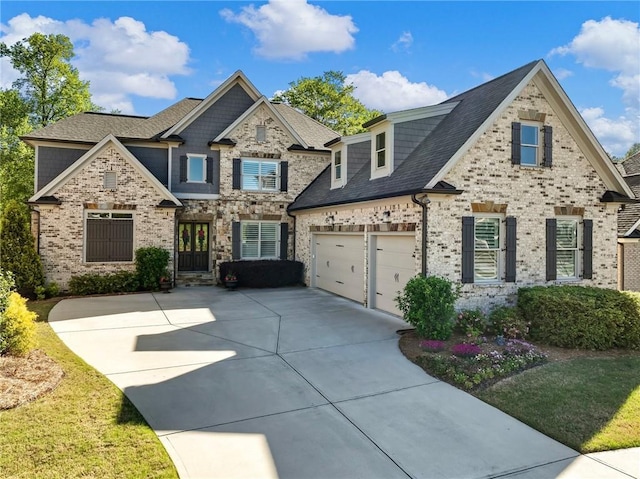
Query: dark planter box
[[264, 273]]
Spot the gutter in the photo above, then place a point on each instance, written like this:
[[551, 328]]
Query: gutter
[[294, 230], [423, 202]]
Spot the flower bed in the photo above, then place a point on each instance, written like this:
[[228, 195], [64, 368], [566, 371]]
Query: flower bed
[[470, 366]]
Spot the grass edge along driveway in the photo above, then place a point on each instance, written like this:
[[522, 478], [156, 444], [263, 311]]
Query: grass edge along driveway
[[86, 427]]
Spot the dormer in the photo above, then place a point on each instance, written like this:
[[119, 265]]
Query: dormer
[[347, 156], [382, 149]]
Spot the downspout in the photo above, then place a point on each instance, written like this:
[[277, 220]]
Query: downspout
[[294, 231], [423, 201]]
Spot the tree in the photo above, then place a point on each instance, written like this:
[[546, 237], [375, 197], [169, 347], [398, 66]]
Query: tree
[[328, 100], [635, 148], [49, 84], [18, 254]]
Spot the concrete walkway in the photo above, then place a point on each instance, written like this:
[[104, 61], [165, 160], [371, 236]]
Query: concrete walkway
[[297, 383]]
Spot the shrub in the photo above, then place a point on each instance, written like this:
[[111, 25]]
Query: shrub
[[264, 273], [428, 304], [17, 328], [581, 317], [120, 282], [7, 285], [472, 323], [18, 251], [506, 321], [52, 289], [152, 263]]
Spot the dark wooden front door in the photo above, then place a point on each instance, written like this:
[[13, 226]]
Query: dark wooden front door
[[193, 246]]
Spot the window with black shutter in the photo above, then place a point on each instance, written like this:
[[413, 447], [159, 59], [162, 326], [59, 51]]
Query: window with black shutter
[[109, 237]]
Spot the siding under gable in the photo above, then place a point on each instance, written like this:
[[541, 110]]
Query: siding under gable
[[409, 134], [358, 155], [153, 159], [53, 161]]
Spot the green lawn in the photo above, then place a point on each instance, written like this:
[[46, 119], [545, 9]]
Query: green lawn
[[588, 404], [86, 427]]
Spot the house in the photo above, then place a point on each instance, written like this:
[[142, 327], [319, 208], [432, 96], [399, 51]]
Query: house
[[629, 229], [499, 187], [207, 179]]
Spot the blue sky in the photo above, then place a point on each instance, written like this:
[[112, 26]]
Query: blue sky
[[140, 57]]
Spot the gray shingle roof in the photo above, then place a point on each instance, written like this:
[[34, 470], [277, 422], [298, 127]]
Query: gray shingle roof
[[631, 211], [314, 133], [428, 158], [631, 165]]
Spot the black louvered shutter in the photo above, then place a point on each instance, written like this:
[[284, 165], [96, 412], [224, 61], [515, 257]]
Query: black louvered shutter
[[284, 176], [510, 256], [236, 240], [183, 169], [284, 240], [515, 143], [467, 248], [587, 243], [548, 146], [236, 175], [209, 170], [551, 249]]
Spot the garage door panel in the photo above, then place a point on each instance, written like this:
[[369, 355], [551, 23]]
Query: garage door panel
[[339, 265], [394, 265]]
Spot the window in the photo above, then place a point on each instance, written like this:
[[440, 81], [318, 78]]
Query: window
[[108, 236], [260, 240], [261, 133], [337, 165], [381, 158], [486, 249], [110, 180], [529, 144], [196, 168], [260, 175], [566, 248]]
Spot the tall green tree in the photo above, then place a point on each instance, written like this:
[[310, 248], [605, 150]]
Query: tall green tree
[[635, 148], [49, 84], [330, 101]]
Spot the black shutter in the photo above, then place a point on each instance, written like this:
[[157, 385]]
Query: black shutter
[[209, 170], [548, 146], [510, 257], [183, 169], [236, 175], [468, 242], [284, 240], [587, 243], [515, 143], [236, 240], [551, 249], [284, 176]]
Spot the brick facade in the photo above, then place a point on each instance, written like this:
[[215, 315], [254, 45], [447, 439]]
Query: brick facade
[[62, 227], [485, 174]]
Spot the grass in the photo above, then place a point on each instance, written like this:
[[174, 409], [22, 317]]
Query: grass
[[587, 404], [86, 427]]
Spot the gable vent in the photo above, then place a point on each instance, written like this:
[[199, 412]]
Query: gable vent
[[110, 180]]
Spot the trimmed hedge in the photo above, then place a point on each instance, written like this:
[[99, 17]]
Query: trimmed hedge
[[120, 282], [581, 317], [264, 273]]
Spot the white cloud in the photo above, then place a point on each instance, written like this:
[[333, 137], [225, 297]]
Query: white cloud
[[290, 29], [393, 92], [562, 73], [119, 58], [616, 136], [403, 43]]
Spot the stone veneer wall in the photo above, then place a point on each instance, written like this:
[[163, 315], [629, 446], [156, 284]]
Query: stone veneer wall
[[237, 205], [631, 269], [486, 174], [62, 227]]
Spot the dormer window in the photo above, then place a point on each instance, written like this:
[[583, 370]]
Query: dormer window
[[337, 165], [338, 169], [381, 150]]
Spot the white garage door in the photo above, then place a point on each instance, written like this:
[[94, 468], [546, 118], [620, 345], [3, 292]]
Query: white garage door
[[394, 266], [339, 266]]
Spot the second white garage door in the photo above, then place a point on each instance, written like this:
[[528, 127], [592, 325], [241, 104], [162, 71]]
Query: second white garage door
[[395, 264], [339, 265]]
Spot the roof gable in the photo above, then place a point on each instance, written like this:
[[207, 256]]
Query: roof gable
[[73, 170], [238, 78]]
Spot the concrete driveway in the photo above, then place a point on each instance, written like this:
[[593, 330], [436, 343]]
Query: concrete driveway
[[298, 383]]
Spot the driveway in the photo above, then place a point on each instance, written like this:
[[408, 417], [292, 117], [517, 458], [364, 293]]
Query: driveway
[[298, 383]]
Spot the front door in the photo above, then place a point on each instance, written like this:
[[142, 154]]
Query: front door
[[193, 246]]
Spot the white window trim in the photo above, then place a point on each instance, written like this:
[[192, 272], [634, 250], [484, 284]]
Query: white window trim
[[539, 127], [204, 168], [578, 249], [380, 172], [338, 182], [87, 213], [501, 249], [259, 189], [260, 223]]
